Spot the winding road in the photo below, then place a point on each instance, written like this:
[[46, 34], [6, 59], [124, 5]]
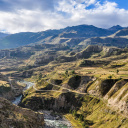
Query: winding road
[[64, 91]]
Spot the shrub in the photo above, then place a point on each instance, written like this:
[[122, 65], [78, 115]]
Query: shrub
[[66, 72], [73, 72], [81, 118], [74, 113], [117, 71], [40, 76], [110, 77]]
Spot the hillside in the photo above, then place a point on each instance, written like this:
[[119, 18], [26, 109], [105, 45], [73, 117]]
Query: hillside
[[17, 117], [118, 39], [9, 89], [123, 32]]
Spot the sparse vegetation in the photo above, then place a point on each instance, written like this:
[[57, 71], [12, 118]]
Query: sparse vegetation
[[117, 71]]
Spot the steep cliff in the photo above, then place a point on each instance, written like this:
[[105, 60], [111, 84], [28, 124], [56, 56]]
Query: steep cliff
[[9, 89]]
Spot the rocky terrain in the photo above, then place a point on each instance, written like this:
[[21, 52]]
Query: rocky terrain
[[115, 39], [9, 89], [16, 117], [88, 98]]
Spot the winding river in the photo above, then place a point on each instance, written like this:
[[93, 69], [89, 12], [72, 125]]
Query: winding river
[[51, 121]]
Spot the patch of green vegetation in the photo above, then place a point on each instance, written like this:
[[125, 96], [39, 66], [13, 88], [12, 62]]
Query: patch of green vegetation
[[20, 69], [4, 89], [117, 64], [94, 85], [75, 123]]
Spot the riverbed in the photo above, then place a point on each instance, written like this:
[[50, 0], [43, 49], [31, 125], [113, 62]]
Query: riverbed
[[51, 120], [55, 120], [18, 98]]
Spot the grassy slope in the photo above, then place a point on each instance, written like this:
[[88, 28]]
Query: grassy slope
[[97, 114]]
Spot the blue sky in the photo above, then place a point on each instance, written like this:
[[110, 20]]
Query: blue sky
[[38, 15], [121, 3]]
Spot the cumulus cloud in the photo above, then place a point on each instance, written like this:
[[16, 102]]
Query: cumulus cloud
[[39, 15]]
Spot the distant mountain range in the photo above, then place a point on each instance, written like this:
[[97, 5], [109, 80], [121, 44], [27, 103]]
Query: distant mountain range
[[70, 36], [2, 35]]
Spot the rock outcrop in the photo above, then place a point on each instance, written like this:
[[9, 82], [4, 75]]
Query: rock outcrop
[[63, 103], [12, 116], [115, 91], [9, 89]]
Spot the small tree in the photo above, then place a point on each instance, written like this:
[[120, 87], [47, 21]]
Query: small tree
[[117, 71], [66, 72], [40, 76], [73, 72], [110, 77]]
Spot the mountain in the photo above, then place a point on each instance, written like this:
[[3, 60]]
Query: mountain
[[84, 31], [2, 35], [24, 38], [68, 34], [118, 39], [107, 41], [123, 32], [116, 28]]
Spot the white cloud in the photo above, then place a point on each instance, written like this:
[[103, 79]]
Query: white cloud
[[60, 14]]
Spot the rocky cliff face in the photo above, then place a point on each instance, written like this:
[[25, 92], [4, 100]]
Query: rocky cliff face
[[87, 52], [63, 103], [12, 116], [112, 90]]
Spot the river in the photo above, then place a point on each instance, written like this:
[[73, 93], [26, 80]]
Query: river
[[51, 121], [18, 99]]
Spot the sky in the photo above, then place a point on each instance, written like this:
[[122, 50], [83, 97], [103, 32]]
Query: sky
[[39, 15]]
